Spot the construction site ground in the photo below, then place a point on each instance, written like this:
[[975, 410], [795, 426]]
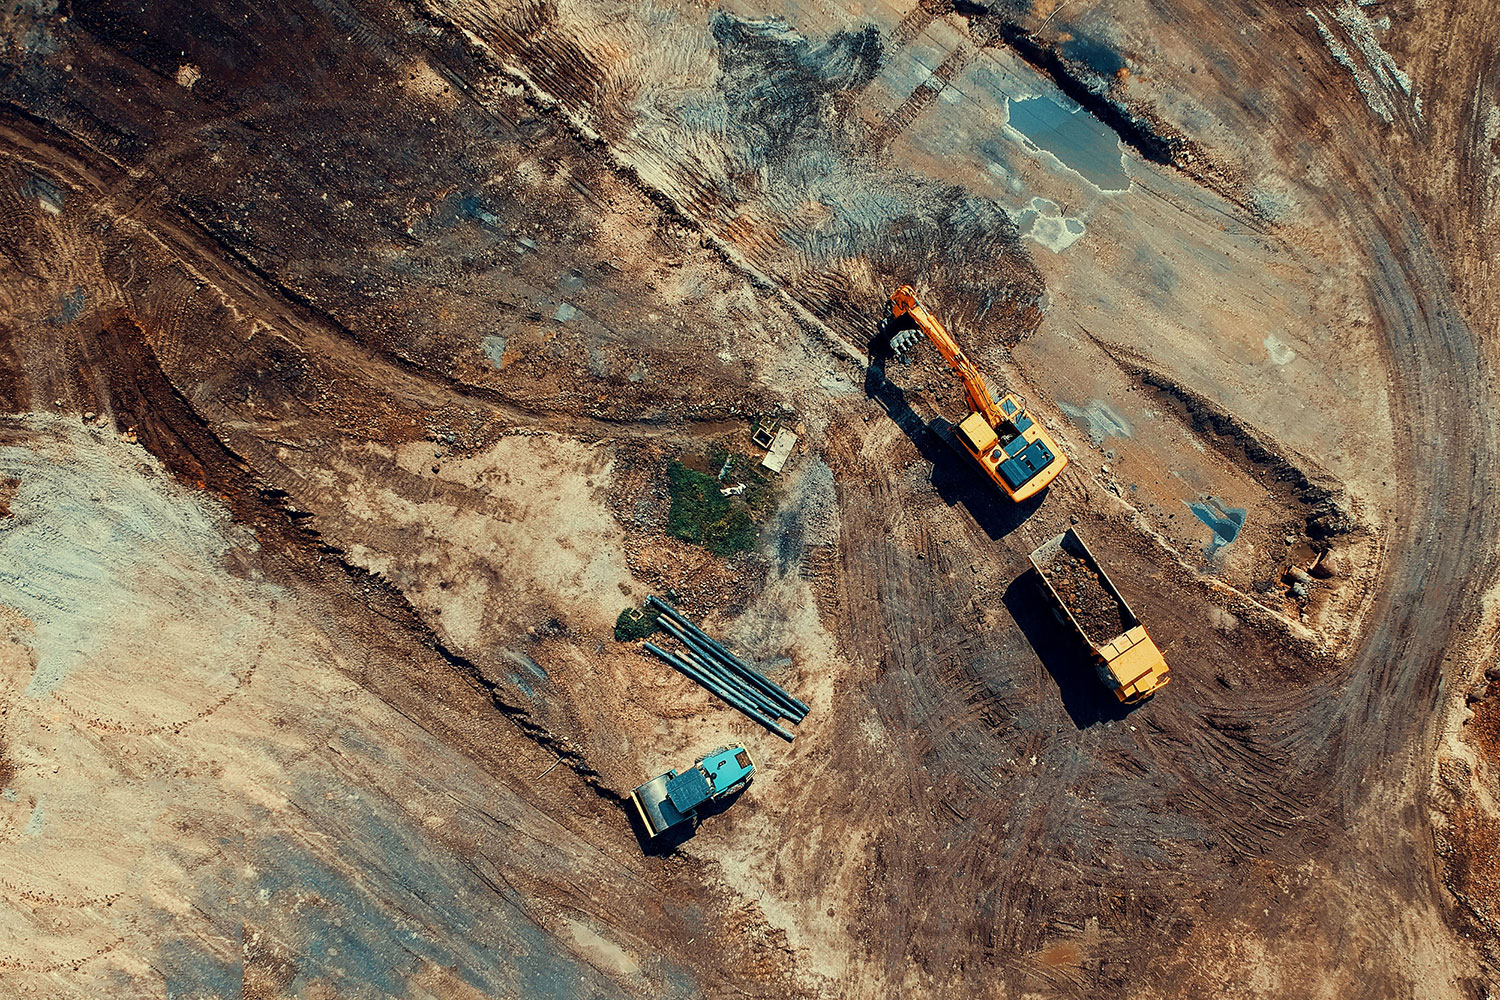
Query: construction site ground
[[344, 347]]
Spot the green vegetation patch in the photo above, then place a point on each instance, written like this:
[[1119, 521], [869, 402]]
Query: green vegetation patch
[[634, 624], [701, 515], [760, 490]]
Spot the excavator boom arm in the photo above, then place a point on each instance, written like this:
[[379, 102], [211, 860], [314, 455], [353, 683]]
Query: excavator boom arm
[[1010, 445], [904, 303]]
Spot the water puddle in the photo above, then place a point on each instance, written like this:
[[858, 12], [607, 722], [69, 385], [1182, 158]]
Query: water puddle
[[48, 196], [70, 307], [1076, 138], [471, 207], [1277, 351], [494, 349], [1043, 222], [1224, 521], [1094, 54]]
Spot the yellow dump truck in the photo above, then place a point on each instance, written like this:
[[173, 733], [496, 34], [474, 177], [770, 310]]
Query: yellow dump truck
[[1086, 600]]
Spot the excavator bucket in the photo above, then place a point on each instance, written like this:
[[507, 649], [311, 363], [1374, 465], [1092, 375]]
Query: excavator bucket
[[899, 337], [905, 340]]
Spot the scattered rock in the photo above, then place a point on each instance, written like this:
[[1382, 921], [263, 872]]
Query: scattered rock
[[1080, 588], [1328, 525], [1332, 563]]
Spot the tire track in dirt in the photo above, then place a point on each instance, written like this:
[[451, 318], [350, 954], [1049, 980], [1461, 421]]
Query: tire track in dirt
[[1350, 729], [1244, 787], [289, 315], [752, 232], [124, 379], [1380, 723], [918, 101]]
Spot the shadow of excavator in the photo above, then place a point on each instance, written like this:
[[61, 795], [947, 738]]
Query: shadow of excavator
[[954, 475]]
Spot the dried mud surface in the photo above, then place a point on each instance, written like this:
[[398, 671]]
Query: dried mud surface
[[344, 346]]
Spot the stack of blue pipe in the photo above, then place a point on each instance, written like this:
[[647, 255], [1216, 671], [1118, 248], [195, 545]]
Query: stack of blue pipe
[[706, 661]]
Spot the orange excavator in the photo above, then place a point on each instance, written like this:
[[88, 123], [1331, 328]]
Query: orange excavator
[[1003, 438]]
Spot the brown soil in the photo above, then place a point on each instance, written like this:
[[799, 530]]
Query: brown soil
[[1474, 866], [1099, 614]]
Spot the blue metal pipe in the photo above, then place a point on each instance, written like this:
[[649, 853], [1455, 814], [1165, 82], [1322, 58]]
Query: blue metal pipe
[[700, 654], [733, 683], [736, 669], [799, 709], [785, 704], [718, 689]]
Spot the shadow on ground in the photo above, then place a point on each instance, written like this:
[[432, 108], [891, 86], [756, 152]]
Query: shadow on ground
[[670, 840], [1063, 654]]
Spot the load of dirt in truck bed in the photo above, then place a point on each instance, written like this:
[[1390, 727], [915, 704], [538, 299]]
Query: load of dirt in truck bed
[[1080, 588]]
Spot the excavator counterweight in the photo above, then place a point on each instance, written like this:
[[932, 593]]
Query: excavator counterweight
[[1002, 437]]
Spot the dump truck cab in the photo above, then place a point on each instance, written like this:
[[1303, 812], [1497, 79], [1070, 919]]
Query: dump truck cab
[[1132, 666], [672, 799]]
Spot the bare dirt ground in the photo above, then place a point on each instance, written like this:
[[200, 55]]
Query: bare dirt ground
[[344, 346]]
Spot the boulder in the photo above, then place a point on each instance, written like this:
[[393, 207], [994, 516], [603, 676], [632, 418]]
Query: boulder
[[1332, 563]]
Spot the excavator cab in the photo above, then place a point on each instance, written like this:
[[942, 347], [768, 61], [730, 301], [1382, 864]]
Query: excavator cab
[[977, 435], [1008, 454]]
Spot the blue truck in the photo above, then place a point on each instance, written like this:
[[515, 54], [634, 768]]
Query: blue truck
[[672, 799]]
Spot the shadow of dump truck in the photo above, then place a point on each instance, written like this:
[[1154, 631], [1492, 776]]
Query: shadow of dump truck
[[1064, 655]]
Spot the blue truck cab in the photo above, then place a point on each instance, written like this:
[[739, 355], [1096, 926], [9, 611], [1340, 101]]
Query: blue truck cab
[[671, 799]]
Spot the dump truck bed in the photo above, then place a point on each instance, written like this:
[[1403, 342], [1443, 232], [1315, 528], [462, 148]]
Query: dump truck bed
[[1127, 660], [1083, 589]]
